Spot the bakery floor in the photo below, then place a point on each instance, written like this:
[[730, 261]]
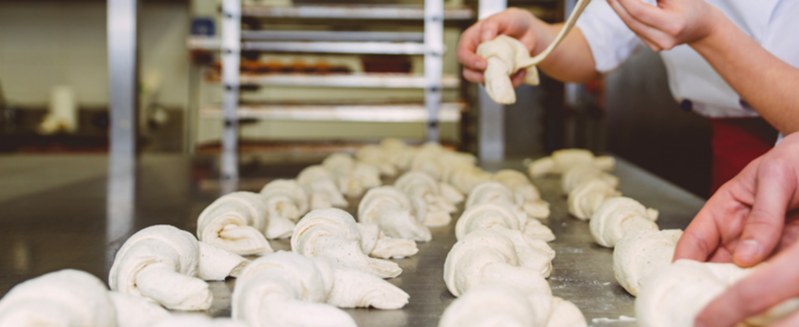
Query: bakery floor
[[60, 211]]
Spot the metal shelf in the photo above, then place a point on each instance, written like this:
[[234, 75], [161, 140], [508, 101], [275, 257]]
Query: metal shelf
[[332, 36], [399, 48], [369, 80], [398, 12], [449, 112]]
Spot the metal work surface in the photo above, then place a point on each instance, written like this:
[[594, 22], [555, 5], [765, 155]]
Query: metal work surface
[[66, 226]]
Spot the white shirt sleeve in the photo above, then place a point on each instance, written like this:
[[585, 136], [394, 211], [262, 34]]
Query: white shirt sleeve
[[610, 40]]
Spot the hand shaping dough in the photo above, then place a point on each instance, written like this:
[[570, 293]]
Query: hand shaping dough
[[642, 252], [334, 234], [582, 173], [136, 311], [320, 185], [562, 160], [674, 295], [504, 305], [488, 256], [353, 177], [63, 298], [390, 209], [617, 216], [525, 193], [236, 222], [285, 198], [586, 198], [431, 207], [160, 262]]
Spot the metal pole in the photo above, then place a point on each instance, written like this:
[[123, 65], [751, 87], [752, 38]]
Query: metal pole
[[491, 128], [231, 55], [433, 66], [123, 100]]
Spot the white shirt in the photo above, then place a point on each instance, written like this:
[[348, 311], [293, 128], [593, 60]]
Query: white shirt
[[774, 24]]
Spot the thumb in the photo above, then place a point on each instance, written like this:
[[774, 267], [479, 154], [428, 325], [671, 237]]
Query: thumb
[[773, 192]]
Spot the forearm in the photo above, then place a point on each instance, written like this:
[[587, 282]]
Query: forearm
[[766, 83], [572, 60]]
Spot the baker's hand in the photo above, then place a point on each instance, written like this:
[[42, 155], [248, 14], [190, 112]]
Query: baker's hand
[[513, 22], [750, 217], [670, 23]]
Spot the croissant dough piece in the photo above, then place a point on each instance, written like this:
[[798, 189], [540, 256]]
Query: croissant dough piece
[[285, 198], [160, 262], [435, 160], [390, 209], [586, 198], [353, 177], [504, 56], [674, 295], [136, 311], [431, 207], [320, 185], [525, 193], [582, 173], [487, 215], [197, 321], [236, 222], [617, 216], [562, 160], [398, 153], [500, 195], [378, 245], [334, 234], [379, 157], [62, 298], [217, 263], [640, 253]]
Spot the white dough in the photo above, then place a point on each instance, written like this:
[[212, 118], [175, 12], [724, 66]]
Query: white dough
[[378, 157], [499, 194], [431, 207], [236, 222], [525, 193], [136, 311], [285, 198], [582, 173], [320, 185], [504, 55], [65, 298], [487, 215], [586, 198], [562, 160], [617, 216], [353, 177], [196, 320], [161, 263], [390, 209], [642, 252], [217, 263]]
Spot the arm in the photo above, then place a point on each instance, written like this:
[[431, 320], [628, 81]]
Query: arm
[[572, 61], [766, 83]]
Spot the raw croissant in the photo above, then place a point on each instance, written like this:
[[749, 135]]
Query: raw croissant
[[160, 262], [320, 185], [480, 215], [198, 321], [136, 311], [640, 253], [497, 193], [434, 160], [334, 234], [431, 207], [353, 177], [617, 216], [379, 157], [504, 305], [674, 295], [586, 198], [398, 153], [466, 176], [390, 209], [488, 256], [582, 173], [562, 160], [285, 198], [236, 222], [505, 55], [525, 193], [62, 298]]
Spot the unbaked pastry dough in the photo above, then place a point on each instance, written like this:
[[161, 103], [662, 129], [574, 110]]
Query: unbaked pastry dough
[[197, 320], [562, 160], [494, 200], [285, 198], [236, 222], [62, 298], [499, 194], [642, 252], [582, 173], [617, 216], [525, 193], [218, 264], [136, 311], [586, 198], [334, 234], [321, 188], [431, 207], [353, 177], [435, 160], [161, 263], [674, 295], [378, 157], [390, 209]]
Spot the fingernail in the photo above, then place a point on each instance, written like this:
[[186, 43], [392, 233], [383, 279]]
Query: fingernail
[[747, 250], [479, 65]]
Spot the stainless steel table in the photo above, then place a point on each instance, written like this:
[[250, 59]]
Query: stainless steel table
[[66, 225]]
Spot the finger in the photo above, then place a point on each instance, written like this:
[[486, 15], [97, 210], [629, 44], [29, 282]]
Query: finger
[[648, 14], [765, 223], [470, 40], [722, 255], [765, 287], [655, 39], [702, 238], [489, 28], [518, 77], [473, 76]]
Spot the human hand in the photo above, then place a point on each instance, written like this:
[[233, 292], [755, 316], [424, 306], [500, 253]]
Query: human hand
[[670, 23], [514, 22], [749, 217]]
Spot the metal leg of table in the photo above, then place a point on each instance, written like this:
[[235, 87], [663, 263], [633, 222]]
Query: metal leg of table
[[433, 66], [231, 55], [491, 128], [123, 77]]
